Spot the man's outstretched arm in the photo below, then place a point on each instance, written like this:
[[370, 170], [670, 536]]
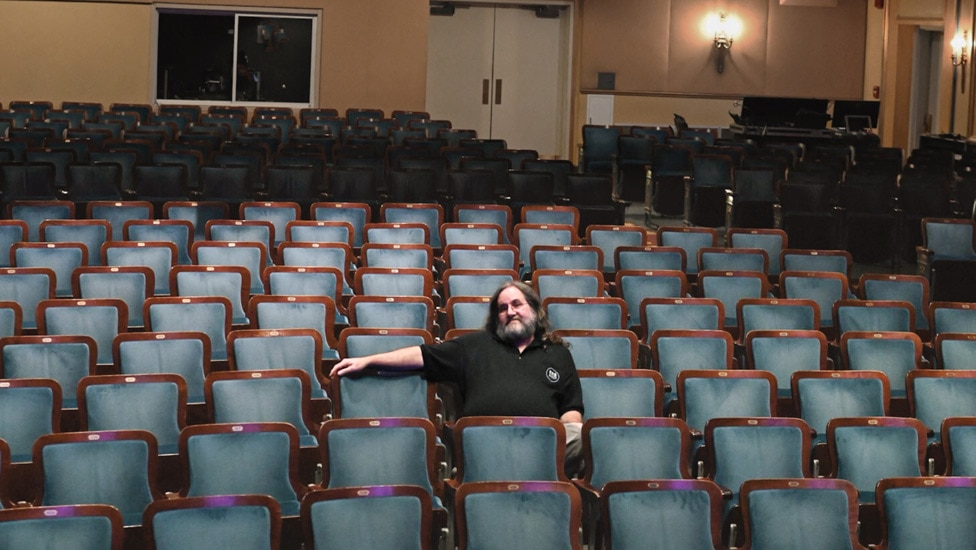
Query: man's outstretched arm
[[407, 358]]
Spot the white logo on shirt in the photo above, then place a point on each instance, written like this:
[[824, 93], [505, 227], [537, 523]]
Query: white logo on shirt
[[552, 375]]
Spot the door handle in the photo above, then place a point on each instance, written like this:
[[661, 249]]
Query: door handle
[[498, 91], [485, 91]]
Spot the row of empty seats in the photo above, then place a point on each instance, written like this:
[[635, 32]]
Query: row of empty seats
[[615, 241], [358, 158], [391, 297], [780, 513], [849, 193], [738, 454], [889, 363]]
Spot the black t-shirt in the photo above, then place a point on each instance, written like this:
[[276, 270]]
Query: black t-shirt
[[496, 380]]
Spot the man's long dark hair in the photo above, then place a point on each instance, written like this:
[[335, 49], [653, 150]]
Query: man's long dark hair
[[542, 332]]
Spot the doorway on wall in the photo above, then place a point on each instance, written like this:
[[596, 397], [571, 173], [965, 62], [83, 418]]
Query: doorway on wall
[[504, 71], [924, 110]]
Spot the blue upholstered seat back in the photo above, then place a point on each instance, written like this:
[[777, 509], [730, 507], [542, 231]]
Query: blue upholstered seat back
[[64, 362], [823, 399], [931, 517], [215, 283], [622, 453], [706, 398], [383, 396], [25, 414], [92, 236], [785, 355], [355, 216], [239, 527], [635, 287], [786, 518], [56, 532], [242, 463], [279, 352], [755, 452], [599, 352], [484, 284], [777, 317], [150, 406], [100, 322], [378, 456], [157, 258], [248, 257], [867, 454], [340, 523], [207, 318], [661, 519], [538, 520], [182, 356], [128, 287], [176, 234], [681, 353], [569, 285], [893, 357], [509, 453], [962, 447], [261, 400], [950, 241], [62, 260], [360, 345], [824, 291], [427, 216], [690, 242], [585, 316], [681, 316], [114, 472]]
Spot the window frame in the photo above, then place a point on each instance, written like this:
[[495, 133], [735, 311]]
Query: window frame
[[313, 15]]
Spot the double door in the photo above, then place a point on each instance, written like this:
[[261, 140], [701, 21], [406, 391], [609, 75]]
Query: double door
[[503, 71]]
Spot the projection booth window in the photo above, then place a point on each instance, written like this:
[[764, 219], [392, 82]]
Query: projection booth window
[[215, 55]]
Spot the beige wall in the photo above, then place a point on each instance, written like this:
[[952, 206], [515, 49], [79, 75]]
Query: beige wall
[[921, 9], [873, 49], [373, 52], [659, 111], [58, 51], [659, 46], [640, 44], [665, 63]]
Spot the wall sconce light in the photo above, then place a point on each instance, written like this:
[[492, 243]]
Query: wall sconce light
[[959, 58], [723, 30], [723, 40]]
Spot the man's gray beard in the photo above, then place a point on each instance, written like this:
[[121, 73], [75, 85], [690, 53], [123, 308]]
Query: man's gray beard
[[513, 333]]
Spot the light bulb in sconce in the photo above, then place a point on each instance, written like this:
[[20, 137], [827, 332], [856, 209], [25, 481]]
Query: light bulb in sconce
[[723, 36], [723, 30], [959, 45], [959, 58]]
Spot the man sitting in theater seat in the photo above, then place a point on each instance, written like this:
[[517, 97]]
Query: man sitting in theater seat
[[513, 367]]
